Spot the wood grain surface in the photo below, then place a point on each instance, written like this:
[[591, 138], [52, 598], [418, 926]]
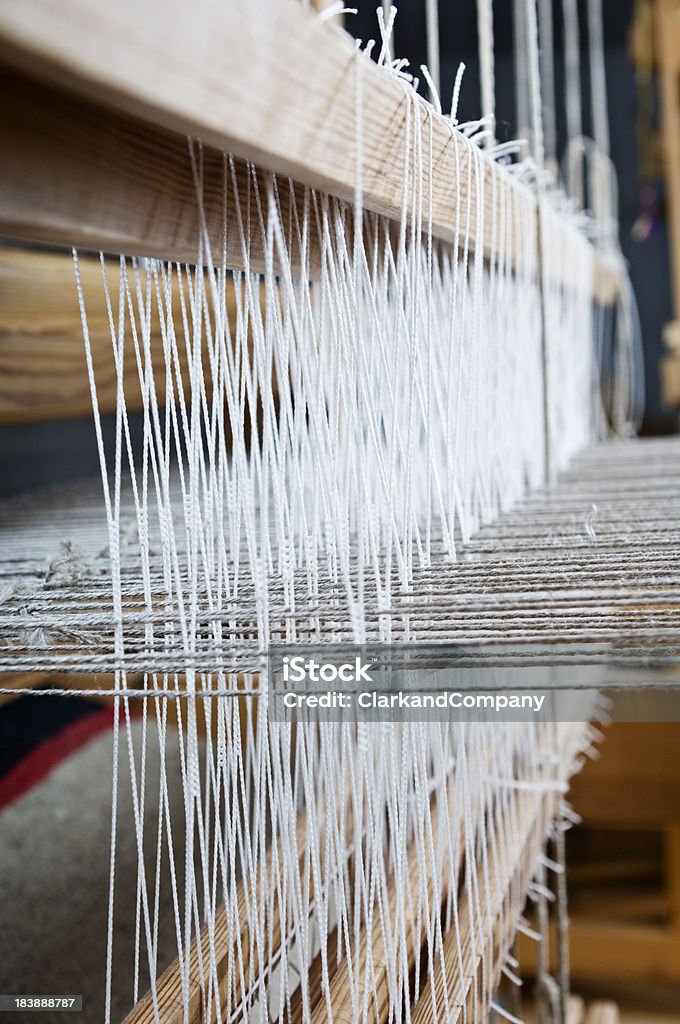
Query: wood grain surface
[[283, 89], [43, 372]]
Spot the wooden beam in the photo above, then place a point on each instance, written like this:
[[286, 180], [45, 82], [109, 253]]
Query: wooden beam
[[461, 987], [372, 950], [169, 999], [76, 173], [618, 905], [604, 951], [575, 1010], [672, 858], [279, 89], [667, 25], [43, 373], [669, 377], [603, 1012], [601, 950]]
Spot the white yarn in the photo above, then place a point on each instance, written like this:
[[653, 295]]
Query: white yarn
[[547, 65], [572, 89], [486, 63], [323, 426], [521, 69], [534, 79], [432, 21], [598, 81]]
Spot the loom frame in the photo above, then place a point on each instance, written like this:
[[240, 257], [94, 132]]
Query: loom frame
[[148, 75]]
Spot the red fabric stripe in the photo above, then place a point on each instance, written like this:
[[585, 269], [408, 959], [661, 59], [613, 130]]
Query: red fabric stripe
[[47, 755]]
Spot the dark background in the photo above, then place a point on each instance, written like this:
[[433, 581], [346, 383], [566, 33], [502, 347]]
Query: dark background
[[34, 454]]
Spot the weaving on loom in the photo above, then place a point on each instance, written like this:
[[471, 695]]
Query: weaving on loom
[[389, 378]]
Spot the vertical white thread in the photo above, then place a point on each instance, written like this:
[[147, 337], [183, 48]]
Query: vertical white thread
[[572, 68], [535, 104], [547, 64], [486, 64], [598, 81], [521, 68], [432, 22]]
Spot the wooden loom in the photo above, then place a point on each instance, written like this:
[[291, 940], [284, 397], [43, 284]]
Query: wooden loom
[[129, 108], [109, 102]]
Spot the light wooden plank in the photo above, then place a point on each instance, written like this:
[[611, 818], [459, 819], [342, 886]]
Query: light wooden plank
[[43, 373], [575, 1010], [76, 173], [669, 376], [279, 89], [667, 24], [245, 958], [602, 950], [372, 947], [169, 991], [602, 1012], [244, 954]]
